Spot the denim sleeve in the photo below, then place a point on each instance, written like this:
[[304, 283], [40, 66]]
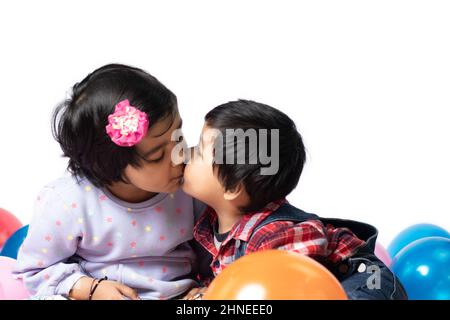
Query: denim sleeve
[[372, 282], [52, 239]]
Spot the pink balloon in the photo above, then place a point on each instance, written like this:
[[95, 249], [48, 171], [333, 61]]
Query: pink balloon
[[382, 254], [8, 225], [10, 288]]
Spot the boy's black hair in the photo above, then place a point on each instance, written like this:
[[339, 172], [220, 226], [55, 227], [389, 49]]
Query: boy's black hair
[[262, 189], [79, 123]]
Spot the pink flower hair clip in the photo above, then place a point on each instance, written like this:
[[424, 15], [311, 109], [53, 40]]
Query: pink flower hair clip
[[127, 125]]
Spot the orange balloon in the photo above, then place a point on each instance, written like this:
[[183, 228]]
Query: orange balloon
[[275, 275], [8, 225]]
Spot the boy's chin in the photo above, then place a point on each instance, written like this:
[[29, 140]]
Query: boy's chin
[[186, 187]]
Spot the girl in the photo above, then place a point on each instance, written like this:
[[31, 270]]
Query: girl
[[117, 227]]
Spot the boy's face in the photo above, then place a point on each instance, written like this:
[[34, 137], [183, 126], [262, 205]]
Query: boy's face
[[200, 181]]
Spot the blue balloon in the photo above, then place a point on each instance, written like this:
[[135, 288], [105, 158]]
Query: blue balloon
[[12, 245], [423, 268], [413, 233]]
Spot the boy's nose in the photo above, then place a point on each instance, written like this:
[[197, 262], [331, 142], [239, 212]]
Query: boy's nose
[[188, 155]]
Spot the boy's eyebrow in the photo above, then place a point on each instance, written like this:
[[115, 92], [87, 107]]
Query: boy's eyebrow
[[161, 145]]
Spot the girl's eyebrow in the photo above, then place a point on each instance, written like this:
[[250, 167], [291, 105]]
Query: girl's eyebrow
[[162, 133]]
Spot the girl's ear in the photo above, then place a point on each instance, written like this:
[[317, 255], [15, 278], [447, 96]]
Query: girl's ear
[[234, 194]]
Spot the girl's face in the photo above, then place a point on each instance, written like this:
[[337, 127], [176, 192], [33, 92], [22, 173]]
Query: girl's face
[[157, 172]]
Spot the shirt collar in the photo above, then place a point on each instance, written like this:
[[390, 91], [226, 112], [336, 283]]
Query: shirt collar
[[242, 230]]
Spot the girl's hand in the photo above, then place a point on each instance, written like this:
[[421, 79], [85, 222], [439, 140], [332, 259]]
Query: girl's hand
[[106, 290], [195, 294], [112, 290]]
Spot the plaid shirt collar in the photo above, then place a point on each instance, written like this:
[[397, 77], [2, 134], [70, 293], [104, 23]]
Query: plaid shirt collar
[[242, 230]]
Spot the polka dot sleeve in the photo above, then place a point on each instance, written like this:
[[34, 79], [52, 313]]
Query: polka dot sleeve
[[52, 239]]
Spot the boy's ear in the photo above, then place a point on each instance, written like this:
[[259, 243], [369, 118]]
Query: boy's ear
[[234, 194]]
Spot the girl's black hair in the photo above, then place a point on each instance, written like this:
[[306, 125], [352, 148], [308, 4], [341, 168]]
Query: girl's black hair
[[262, 189], [79, 123]]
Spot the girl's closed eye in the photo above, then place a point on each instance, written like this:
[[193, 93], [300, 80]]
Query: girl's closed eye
[[155, 159]]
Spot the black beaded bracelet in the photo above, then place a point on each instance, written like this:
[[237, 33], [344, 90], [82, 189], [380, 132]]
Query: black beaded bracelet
[[91, 293]]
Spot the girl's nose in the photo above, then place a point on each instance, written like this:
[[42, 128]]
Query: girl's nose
[[182, 157]]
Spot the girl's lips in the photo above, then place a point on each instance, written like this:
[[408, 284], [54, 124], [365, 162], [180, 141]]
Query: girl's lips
[[178, 180]]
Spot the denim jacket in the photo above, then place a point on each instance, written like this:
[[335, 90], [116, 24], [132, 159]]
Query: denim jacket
[[363, 276]]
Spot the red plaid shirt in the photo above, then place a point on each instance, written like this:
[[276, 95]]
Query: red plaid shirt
[[311, 238]]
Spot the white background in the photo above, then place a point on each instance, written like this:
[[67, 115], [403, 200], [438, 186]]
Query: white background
[[367, 83]]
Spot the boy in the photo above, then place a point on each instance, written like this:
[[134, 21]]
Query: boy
[[250, 157]]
